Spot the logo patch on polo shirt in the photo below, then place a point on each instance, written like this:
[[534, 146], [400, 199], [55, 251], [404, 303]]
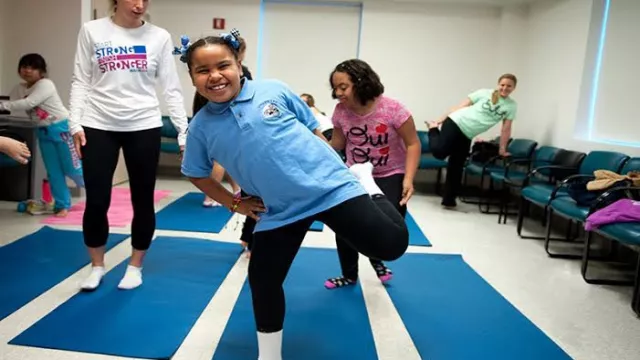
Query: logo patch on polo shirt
[[270, 111]]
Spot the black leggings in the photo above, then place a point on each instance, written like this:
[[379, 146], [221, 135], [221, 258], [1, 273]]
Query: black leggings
[[391, 186], [141, 150], [248, 227], [451, 142], [372, 226]]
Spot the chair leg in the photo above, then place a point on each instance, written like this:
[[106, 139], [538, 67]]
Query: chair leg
[[501, 207], [483, 195], [635, 302], [521, 208], [466, 199], [507, 204], [524, 204], [503, 211], [548, 239], [586, 251], [439, 182]]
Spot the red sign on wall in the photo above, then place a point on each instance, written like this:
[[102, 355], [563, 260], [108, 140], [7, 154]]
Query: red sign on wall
[[218, 23]]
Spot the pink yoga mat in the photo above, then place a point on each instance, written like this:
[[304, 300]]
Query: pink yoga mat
[[120, 213]]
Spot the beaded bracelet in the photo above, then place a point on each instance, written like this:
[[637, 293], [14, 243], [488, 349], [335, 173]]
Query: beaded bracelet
[[236, 202]]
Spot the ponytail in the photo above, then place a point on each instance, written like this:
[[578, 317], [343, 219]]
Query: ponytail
[[495, 97], [199, 102]]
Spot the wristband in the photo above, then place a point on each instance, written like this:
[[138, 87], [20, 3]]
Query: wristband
[[236, 202]]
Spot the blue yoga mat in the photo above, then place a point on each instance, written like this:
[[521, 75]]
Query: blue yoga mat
[[416, 236], [453, 313], [320, 324], [316, 226], [180, 277], [188, 214], [37, 262]]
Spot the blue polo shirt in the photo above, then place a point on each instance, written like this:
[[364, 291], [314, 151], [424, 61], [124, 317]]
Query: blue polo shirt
[[264, 139]]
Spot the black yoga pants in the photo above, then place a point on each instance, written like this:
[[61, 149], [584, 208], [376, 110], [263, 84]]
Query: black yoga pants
[[141, 152], [371, 225], [450, 142], [391, 186]]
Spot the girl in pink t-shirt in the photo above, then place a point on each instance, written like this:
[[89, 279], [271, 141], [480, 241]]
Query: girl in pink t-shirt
[[371, 127]]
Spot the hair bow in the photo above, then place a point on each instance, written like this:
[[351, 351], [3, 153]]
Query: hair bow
[[232, 38], [182, 51]]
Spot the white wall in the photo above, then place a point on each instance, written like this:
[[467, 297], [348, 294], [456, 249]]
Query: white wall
[[550, 87], [308, 70], [194, 18], [557, 82], [51, 31], [614, 116], [431, 56]]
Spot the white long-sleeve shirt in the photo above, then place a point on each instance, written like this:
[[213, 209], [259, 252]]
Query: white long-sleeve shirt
[[114, 79], [40, 101]]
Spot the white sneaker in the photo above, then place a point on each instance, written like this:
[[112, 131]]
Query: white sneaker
[[93, 280], [132, 278], [363, 172]]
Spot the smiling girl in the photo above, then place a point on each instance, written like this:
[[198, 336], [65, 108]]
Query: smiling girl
[[372, 127], [266, 137]]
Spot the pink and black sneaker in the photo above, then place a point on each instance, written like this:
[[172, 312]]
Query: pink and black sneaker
[[383, 272], [338, 282]]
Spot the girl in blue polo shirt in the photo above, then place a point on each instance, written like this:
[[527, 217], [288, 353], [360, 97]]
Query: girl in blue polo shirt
[[268, 140]]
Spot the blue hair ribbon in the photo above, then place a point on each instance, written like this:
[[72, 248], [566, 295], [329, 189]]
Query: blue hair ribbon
[[182, 51], [232, 38]]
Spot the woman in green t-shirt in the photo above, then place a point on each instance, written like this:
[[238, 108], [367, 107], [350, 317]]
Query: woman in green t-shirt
[[451, 135]]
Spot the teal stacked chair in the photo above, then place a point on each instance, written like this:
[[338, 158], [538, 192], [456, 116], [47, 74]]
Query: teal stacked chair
[[168, 131], [517, 171], [521, 151], [428, 162], [564, 164], [565, 206], [478, 169], [625, 234], [475, 168]]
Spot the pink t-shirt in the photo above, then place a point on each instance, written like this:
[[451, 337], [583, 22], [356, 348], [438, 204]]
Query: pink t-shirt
[[374, 137]]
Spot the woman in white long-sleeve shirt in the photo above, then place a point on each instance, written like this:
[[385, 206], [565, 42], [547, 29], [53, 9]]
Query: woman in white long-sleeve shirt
[[114, 106]]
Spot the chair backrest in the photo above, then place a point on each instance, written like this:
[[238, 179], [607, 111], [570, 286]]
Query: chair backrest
[[633, 164], [602, 160], [566, 158], [569, 158], [522, 148], [424, 141], [543, 156], [497, 140], [168, 130]]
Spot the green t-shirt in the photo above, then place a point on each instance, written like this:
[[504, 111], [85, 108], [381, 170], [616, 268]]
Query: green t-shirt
[[483, 114]]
